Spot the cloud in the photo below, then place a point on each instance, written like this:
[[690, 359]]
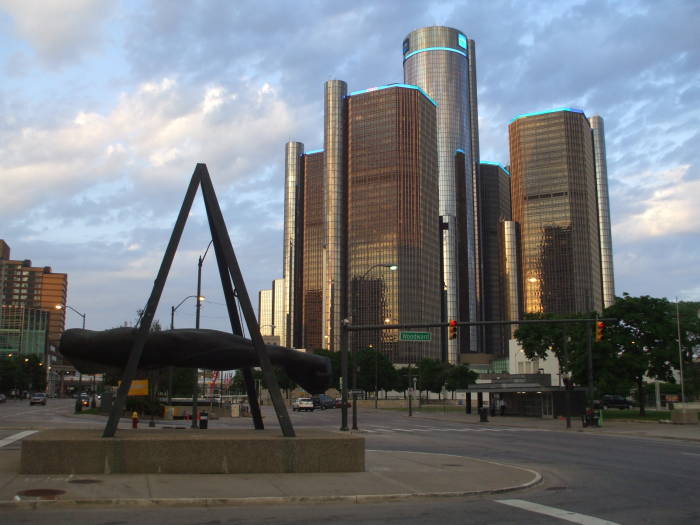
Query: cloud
[[153, 136], [60, 31], [670, 209]]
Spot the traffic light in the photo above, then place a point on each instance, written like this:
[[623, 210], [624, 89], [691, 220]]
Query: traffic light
[[453, 329], [599, 328]]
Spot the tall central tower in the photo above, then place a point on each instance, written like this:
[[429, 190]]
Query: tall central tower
[[440, 60]]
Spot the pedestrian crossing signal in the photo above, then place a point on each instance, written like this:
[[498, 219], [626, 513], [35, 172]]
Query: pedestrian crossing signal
[[453, 329]]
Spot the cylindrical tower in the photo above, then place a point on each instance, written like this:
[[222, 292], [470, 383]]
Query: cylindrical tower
[[292, 203], [436, 60], [601, 180], [334, 176], [511, 272]]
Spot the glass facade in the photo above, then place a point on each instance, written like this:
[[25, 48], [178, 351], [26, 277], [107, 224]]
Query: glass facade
[[312, 253], [23, 331], [511, 273], [292, 195], [554, 201], [435, 59], [495, 208], [265, 313], [22, 284], [279, 315], [334, 285], [601, 178], [392, 211]]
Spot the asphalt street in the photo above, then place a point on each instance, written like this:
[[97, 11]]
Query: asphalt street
[[588, 478]]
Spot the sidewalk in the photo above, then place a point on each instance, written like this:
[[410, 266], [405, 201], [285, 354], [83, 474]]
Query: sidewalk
[[610, 426], [389, 476]]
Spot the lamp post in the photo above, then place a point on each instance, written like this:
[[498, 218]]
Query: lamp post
[[393, 268], [78, 405], [200, 261], [173, 309]]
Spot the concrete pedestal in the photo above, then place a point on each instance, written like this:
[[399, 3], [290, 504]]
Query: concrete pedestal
[[687, 416], [151, 451]]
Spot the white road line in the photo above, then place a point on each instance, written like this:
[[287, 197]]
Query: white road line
[[16, 437], [573, 517], [690, 454]]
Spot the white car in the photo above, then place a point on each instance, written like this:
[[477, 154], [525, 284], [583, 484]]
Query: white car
[[303, 403]]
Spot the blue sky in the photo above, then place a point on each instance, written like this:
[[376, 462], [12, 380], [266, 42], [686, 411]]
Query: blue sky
[[106, 107]]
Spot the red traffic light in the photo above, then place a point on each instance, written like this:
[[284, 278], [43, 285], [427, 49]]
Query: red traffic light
[[599, 329], [453, 329]]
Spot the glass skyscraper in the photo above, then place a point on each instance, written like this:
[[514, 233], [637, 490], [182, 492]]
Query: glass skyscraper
[[374, 206], [441, 61], [556, 205]]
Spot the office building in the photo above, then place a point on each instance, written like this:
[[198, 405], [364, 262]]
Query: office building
[[34, 288], [555, 204], [601, 181], [265, 312], [441, 61], [366, 203], [279, 316], [392, 211], [495, 209]]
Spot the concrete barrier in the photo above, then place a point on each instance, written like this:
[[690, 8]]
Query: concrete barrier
[[188, 451], [687, 416]]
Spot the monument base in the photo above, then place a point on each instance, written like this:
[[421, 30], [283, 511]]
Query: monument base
[[166, 451]]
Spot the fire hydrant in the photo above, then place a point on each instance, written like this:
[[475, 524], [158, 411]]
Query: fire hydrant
[[134, 419]]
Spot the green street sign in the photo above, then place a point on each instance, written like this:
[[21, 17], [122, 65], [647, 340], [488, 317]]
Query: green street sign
[[415, 336]]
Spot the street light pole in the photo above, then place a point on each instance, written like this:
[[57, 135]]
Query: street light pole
[[173, 309], [196, 325], [78, 406], [392, 267], [680, 353]]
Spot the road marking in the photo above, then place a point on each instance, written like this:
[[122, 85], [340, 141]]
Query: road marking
[[690, 454], [566, 515], [16, 437]]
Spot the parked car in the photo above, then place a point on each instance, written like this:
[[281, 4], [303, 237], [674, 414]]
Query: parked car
[[323, 401], [85, 399], [339, 402], [303, 403], [37, 398], [3, 398], [613, 401]]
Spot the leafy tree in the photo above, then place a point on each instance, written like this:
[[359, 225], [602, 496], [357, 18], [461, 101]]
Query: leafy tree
[[369, 360], [561, 339], [432, 375], [459, 377], [644, 339]]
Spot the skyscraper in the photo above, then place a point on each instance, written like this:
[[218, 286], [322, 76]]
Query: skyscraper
[[265, 312], [441, 61], [555, 203], [374, 207], [601, 180], [292, 235], [392, 211], [495, 208]]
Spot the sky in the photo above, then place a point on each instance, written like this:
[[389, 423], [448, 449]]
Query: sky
[[107, 105]]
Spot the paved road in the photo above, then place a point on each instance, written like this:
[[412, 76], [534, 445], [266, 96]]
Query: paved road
[[616, 479]]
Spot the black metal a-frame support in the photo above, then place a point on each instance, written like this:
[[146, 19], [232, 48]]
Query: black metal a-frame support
[[231, 279]]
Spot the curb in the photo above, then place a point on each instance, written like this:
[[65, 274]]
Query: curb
[[358, 499], [239, 502]]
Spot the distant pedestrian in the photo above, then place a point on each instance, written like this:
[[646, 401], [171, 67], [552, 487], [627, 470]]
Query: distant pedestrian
[[502, 405]]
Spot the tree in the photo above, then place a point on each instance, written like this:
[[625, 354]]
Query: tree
[[431, 375], [369, 361], [644, 339], [459, 377], [567, 341]]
